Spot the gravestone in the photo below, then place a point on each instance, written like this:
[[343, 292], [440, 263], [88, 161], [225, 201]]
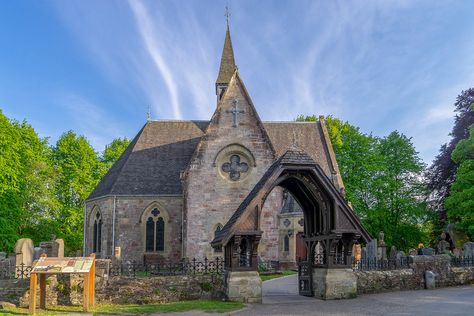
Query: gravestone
[[443, 245], [413, 252], [3, 255], [53, 248], [37, 253], [60, 253], [372, 249], [364, 253], [357, 252], [430, 280], [393, 253], [382, 248], [24, 252], [457, 252], [428, 251], [400, 255], [468, 249]]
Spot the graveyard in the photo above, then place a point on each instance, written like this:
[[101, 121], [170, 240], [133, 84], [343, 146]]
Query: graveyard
[[295, 159]]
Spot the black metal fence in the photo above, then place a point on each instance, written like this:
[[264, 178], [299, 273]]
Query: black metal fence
[[462, 261], [380, 265], [183, 267], [15, 272]]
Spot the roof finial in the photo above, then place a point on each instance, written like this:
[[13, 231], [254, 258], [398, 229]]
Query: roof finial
[[148, 113], [227, 14]]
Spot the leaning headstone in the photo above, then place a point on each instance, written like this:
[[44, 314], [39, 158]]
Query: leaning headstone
[[24, 252], [430, 280], [3, 255], [428, 251], [372, 249], [468, 249], [400, 255]]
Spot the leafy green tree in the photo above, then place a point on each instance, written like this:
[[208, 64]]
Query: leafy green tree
[[79, 170], [460, 202], [383, 182], [113, 151], [26, 173]]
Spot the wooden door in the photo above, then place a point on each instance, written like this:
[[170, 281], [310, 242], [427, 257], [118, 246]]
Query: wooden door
[[301, 251]]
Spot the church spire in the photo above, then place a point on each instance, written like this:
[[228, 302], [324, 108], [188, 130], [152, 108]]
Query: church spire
[[227, 67]]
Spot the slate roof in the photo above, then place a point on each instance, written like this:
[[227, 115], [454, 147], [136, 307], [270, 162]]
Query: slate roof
[[153, 162], [227, 67]]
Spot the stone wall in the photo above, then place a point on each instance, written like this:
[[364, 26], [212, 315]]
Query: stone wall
[[130, 226], [413, 278], [125, 290], [68, 289], [211, 195]]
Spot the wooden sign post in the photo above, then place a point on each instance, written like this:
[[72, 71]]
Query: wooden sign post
[[47, 266]]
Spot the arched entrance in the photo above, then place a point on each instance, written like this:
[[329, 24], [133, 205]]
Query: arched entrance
[[330, 229]]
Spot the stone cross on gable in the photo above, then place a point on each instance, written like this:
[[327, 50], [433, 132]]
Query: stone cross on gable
[[234, 112]]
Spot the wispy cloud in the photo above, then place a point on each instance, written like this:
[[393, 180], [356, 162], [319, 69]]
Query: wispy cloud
[[146, 30]]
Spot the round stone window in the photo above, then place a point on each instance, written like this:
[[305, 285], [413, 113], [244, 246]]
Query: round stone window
[[234, 163]]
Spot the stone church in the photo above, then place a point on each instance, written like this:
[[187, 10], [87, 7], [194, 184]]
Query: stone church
[[179, 181]]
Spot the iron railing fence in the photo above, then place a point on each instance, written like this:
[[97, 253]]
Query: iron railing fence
[[375, 264], [183, 267], [9, 271], [462, 261], [135, 269]]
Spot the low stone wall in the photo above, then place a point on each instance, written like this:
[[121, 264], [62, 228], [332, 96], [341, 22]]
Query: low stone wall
[[413, 278], [126, 290], [68, 289], [384, 281]]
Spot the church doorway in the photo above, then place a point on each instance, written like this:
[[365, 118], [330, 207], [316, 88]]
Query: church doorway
[[300, 247]]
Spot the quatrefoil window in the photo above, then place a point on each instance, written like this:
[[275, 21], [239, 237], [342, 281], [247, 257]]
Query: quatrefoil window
[[234, 167], [155, 212]]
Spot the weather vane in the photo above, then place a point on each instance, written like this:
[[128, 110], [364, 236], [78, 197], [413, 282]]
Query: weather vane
[[227, 14]]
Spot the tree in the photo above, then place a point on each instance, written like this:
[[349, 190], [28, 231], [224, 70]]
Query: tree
[[441, 173], [113, 151], [26, 178], [79, 170], [460, 202], [383, 181]]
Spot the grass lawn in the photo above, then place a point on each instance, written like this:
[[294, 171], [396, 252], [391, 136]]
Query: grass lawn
[[183, 306], [266, 277]]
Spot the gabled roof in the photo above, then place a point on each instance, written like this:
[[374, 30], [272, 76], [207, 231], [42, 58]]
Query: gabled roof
[[152, 163], [227, 67], [294, 156]]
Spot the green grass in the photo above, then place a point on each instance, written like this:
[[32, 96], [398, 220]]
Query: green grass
[[266, 277], [182, 306]]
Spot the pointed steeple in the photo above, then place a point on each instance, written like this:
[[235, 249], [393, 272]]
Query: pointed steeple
[[227, 67]]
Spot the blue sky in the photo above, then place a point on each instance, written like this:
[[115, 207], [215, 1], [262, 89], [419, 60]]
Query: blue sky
[[95, 66]]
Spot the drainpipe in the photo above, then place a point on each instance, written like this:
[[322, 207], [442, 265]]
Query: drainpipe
[[85, 232], [113, 227]]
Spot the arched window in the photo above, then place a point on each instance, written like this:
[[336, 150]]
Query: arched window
[[154, 232], [97, 235], [286, 243], [218, 229]]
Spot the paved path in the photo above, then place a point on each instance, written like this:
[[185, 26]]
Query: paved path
[[445, 301], [281, 298]]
